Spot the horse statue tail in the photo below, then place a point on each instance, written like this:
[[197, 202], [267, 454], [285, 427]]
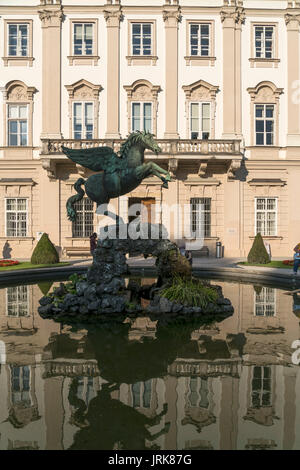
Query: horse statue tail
[[71, 212]]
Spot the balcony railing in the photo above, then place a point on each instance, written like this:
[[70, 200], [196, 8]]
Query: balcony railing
[[173, 147]]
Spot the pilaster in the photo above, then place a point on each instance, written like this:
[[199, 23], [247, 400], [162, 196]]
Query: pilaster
[[232, 17], [113, 16], [51, 18], [171, 17], [292, 20]]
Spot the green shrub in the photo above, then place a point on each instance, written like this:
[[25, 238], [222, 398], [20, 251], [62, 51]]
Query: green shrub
[[189, 292], [44, 252], [258, 253], [45, 286]]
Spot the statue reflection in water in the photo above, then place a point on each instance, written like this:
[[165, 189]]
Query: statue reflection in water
[[106, 422]]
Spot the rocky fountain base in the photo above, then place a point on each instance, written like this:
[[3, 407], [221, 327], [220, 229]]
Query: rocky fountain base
[[103, 292]]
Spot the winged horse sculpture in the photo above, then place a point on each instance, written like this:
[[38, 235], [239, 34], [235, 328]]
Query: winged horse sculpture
[[119, 174]]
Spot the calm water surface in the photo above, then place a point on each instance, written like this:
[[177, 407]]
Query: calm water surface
[[139, 385]]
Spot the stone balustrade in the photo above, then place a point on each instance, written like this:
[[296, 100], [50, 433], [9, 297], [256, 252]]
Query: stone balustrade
[[175, 147]]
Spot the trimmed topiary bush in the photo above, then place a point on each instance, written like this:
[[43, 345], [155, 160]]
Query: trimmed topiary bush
[[44, 252], [258, 253], [45, 287]]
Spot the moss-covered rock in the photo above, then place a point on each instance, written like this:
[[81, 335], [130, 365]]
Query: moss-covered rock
[[258, 253], [44, 252], [171, 263]]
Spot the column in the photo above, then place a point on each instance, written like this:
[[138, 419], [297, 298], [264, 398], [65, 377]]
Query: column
[[171, 16], [51, 19], [228, 420], [113, 16], [232, 19], [293, 75], [290, 376]]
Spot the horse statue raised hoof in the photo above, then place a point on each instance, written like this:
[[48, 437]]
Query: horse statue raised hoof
[[120, 174]]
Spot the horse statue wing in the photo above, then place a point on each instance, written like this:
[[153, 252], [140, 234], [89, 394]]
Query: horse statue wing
[[96, 159]]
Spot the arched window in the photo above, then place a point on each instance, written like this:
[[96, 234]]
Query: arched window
[[142, 106], [200, 105], [265, 114], [18, 109], [83, 110]]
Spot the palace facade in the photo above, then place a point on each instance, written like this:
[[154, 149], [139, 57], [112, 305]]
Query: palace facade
[[217, 82]]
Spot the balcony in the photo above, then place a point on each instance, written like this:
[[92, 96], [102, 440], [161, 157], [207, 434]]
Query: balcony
[[172, 152], [168, 147]]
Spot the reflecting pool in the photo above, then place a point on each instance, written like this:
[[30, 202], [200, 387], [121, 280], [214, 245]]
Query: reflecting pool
[[148, 384]]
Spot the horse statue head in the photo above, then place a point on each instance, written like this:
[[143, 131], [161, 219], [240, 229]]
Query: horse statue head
[[142, 139]]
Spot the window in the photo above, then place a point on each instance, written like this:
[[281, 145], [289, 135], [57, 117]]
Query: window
[[200, 217], [141, 394], [85, 389], [264, 124], [261, 386], [266, 216], [17, 301], [83, 120], [141, 39], [18, 40], [84, 225], [200, 120], [265, 302], [200, 39], [17, 125], [16, 217], [83, 38], [198, 395], [264, 42], [142, 117], [20, 385]]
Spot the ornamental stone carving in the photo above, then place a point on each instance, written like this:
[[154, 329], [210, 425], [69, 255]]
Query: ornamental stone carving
[[265, 92], [172, 17], [113, 17], [18, 91], [291, 18], [51, 18], [200, 90], [237, 15], [84, 90]]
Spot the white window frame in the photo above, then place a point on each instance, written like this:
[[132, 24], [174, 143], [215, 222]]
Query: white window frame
[[142, 390], [18, 120], [142, 114], [262, 390], [84, 223], [83, 119], [16, 212], [199, 381], [263, 42], [266, 211], [83, 37], [141, 24], [19, 37], [21, 383], [264, 119], [201, 210], [19, 302], [264, 302], [199, 37], [200, 118]]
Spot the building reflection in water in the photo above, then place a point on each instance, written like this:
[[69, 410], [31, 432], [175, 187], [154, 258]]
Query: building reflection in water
[[227, 385]]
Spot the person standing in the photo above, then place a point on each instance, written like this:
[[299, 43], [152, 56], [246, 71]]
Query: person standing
[[93, 242], [297, 247], [296, 261]]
